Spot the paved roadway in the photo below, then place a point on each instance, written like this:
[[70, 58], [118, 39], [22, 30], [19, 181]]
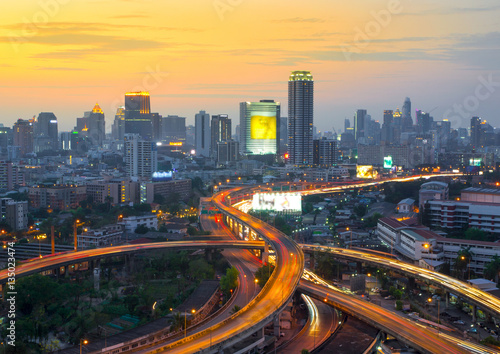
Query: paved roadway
[[273, 297], [320, 326], [486, 301]]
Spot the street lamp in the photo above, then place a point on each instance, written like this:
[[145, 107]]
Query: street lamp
[[468, 263], [185, 321], [82, 343], [75, 226], [430, 300]]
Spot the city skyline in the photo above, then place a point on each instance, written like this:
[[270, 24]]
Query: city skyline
[[214, 55]]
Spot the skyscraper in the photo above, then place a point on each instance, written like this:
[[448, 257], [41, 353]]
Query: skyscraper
[[173, 129], [387, 128], [118, 128], [325, 152], [220, 131], [475, 131], [359, 124], [46, 136], [138, 114], [141, 156], [347, 124], [202, 134], [300, 117], [260, 127], [407, 122], [23, 136], [92, 126]]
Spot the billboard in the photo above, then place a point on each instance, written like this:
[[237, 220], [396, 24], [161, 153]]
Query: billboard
[[262, 126], [388, 162], [365, 171], [476, 161], [279, 202]]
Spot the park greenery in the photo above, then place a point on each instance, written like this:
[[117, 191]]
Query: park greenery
[[70, 308]]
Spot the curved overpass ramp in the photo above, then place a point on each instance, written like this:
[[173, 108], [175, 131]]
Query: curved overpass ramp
[[485, 301]]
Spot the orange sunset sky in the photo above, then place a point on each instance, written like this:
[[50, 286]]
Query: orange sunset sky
[[64, 56]]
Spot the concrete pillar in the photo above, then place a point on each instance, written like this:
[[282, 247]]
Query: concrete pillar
[[208, 255], [359, 267], [474, 313], [411, 283], [312, 263], [277, 326], [265, 255], [447, 299]]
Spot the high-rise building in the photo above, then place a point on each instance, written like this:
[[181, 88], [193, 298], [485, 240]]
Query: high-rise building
[[220, 131], [300, 117], [202, 134], [141, 156], [359, 124], [173, 129], [283, 135], [325, 152], [46, 136], [23, 136], [387, 127], [6, 139], [138, 114], [156, 124], [227, 151], [475, 131], [407, 122], [260, 127], [92, 126], [347, 124], [424, 122], [118, 128], [190, 133]]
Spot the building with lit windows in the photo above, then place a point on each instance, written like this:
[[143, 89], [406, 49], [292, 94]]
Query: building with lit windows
[[23, 136], [61, 197], [119, 191], [141, 156], [202, 134], [138, 114], [300, 118], [109, 235], [260, 127], [220, 131]]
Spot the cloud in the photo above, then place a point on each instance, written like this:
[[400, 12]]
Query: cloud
[[301, 20], [454, 11]]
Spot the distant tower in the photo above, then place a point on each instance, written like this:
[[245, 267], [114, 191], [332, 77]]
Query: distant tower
[[118, 128], [138, 114], [475, 131], [23, 136], [141, 156], [220, 131], [407, 121], [202, 134], [300, 117], [359, 124], [45, 132], [347, 124]]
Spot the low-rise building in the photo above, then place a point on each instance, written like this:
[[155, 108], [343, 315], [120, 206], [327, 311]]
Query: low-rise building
[[182, 187], [132, 222], [14, 213], [60, 197], [104, 237]]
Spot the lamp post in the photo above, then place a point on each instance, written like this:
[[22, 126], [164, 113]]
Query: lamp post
[[468, 263], [82, 343], [430, 300], [75, 226], [185, 321]]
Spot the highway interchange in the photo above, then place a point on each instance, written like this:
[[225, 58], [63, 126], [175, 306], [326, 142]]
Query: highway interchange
[[280, 288]]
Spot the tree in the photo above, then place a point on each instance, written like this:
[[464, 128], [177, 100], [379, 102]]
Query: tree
[[263, 274], [464, 257], [475, 234], [235, 309], [491, 270], [200, 269], [399, 305], [229, 281], [426, 214], [360, 210], [141, 229]]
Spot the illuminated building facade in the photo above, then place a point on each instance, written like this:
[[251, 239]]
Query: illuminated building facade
[[300, 117], [138, 114], [259, 127], [23, 136], [141, 156], [220, 131], [202, 134], [118, 128], [46, 136]]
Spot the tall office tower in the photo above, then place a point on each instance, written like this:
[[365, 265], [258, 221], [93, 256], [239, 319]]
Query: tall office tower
[[156, 124], [300, 117], [23, 136], [141, 156], [6, 139], [118, 128], [220, 131], [359, 124], [92, 126], [407, 122], [202, 134], [227, 151], [46, 136], [475, 131], [173, 129], [138, 114], [283, 135], [387, 127], [260, 127], [347, 124], [424, 122], [325, 152], [190, 133]]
